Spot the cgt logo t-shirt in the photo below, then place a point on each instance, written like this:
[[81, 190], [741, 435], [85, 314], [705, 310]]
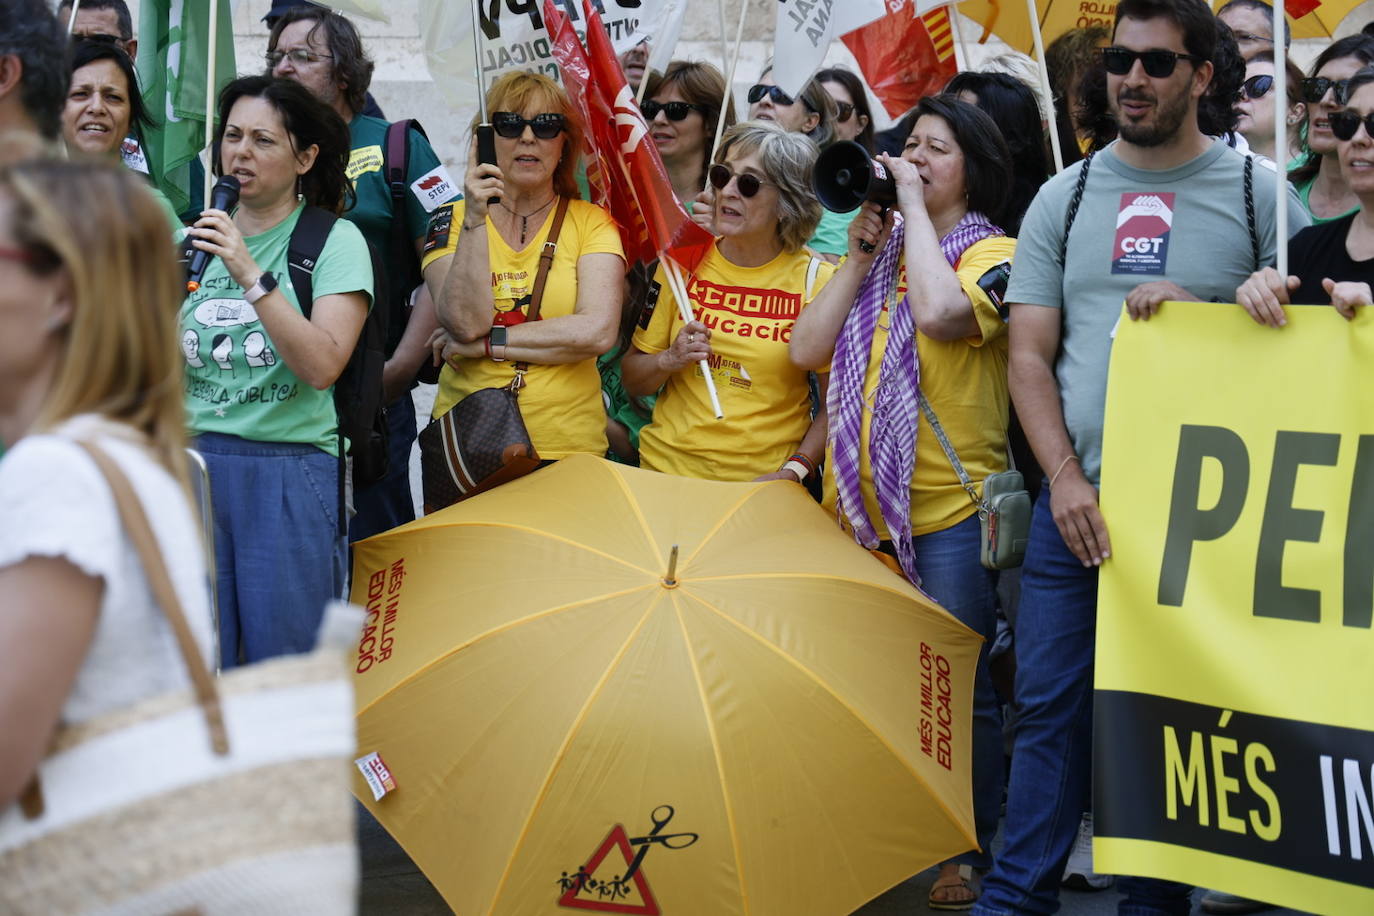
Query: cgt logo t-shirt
[[1142, 233]]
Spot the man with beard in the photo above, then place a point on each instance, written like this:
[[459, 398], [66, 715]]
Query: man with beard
[[1157, 215]]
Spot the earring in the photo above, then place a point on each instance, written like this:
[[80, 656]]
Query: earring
[[55, 323]]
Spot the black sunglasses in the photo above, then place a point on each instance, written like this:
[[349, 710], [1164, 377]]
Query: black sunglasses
[[759, 90], [747, 184], [845, 108], [1256, 87], [545, 126], [1345, 123], [675, 111], [1315, 88], [1158, 64]]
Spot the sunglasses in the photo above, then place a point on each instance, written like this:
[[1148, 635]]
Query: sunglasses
[[1315, 88], [1344, 124], [748, 185], [1158, 64], [545, 126], [846, 109], [675, 111], [1256, 87], [297, 56], [759, 90]]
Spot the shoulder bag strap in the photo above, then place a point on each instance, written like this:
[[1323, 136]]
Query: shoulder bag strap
[[950, 453], [141, 534], [541, 277], [1250, 208], [1072, 212]]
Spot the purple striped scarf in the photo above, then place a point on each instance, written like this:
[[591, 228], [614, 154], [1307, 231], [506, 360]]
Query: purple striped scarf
[[892, 433]]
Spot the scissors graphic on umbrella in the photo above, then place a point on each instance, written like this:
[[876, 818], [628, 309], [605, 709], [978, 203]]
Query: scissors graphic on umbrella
[[657, 837]]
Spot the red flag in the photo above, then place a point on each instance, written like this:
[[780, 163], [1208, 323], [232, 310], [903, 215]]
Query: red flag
[[904, 57], [1300, 8], [624, 168]]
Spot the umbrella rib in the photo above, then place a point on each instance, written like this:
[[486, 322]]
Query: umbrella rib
[[528, 529], [823, 685], [563, 749], [495, 631], [715, 751], [720, 523], [634, 506]]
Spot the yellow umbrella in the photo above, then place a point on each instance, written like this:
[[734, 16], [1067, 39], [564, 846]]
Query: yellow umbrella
[[1009, 20], [779, 725]]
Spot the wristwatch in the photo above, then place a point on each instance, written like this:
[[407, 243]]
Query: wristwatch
[[266, 283], [496, 343]]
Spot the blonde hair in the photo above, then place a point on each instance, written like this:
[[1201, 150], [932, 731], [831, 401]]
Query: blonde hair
[[518, 91], [96, 223], [788, 158]]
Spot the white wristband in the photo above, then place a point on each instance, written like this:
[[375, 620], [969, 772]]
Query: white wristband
[[796, 467]]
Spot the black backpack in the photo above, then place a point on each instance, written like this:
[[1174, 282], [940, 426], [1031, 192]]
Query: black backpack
[[358, 390]]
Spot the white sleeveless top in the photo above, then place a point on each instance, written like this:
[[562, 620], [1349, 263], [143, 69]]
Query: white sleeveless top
[[54, 502]]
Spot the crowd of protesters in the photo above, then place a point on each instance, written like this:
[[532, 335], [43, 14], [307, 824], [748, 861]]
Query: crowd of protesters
[[984, 297]]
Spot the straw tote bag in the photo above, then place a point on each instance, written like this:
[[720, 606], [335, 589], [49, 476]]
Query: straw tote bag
[[230, 797]]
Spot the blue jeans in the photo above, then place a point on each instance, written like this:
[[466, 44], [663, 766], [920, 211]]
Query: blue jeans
[[387, 503], [951, 573], [1153, 897], [278, 553], [1051, 762]]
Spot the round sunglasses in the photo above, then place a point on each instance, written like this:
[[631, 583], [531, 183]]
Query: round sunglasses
[[1345, 123], [674, 111], [846, 110], [1256, 87], [1315, 88], [1158, 63], [545, 126], [748, 185]]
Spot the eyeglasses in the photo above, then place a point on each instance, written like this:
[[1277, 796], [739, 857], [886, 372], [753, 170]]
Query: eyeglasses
[[1256, 87], [846, 109], [1158, 64], [296, 56], [545, 126], [1345, 123], [17, 254], [675, 111], [1315, 88], [748, 185], [1250, 36]]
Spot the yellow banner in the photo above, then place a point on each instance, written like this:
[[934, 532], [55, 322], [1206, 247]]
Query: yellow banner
[[1234, 704]]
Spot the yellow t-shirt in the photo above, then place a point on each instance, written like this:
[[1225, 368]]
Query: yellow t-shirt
[[965, 382], [750, 311], [561, 404]]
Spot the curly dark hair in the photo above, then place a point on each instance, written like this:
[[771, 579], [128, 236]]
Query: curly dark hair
[[1216, 110], [309, 122], [352, 66]]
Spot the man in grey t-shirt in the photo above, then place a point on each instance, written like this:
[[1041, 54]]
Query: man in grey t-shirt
[[1162, 217]]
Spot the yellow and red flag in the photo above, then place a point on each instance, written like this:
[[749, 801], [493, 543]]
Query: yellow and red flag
[[905, 57]]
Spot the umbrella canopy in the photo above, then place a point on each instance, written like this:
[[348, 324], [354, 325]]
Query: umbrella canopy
[[779, 725]]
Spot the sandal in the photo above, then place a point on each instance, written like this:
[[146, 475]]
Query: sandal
[[966, 879]]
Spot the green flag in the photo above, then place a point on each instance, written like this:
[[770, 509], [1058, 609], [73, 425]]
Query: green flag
[[173, 65]]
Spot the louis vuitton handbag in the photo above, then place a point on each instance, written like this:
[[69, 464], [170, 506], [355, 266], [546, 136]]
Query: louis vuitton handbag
[[230, 797], [481, 442]]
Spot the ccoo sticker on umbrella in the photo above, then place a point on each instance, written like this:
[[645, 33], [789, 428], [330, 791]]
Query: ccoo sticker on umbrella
[[379, 778]]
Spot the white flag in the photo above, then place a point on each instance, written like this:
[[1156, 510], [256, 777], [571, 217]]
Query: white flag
[[804, 31], [367, 9], [662, 34]]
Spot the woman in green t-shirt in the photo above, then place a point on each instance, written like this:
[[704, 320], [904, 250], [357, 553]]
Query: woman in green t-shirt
[[260, 374]]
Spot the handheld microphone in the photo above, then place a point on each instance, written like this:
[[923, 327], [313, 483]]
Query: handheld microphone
[[224, 195]]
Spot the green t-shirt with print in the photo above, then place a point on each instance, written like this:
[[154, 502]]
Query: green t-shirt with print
[[428, 186], [832, 233], [235, 381]]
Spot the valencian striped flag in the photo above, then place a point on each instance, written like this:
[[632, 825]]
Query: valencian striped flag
[[173, 60], [905, 56]]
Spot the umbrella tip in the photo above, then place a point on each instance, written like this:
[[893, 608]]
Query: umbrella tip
[[670, 578]]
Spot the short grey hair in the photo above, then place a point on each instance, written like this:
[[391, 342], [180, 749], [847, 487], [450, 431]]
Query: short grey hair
[[788, 159]]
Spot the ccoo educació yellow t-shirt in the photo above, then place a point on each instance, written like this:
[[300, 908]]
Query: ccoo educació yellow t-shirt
[[765, 399], [965, 382], [561, 404]]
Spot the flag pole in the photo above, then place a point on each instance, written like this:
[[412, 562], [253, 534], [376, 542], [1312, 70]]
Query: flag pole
[[729, 87], [210, 100], [1045, 89], [71, 23], [684, 309], [961, 61], [1281, 140]]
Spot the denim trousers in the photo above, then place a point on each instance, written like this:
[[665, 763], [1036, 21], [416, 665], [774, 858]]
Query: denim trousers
[[951, 573], [279, 553], [1051, 763], [388, 503]]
